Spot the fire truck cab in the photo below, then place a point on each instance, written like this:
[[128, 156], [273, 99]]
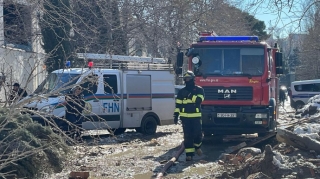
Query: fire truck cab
[[239, 75]]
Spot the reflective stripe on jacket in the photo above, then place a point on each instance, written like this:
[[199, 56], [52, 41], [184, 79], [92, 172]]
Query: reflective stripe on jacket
[[188, 102]]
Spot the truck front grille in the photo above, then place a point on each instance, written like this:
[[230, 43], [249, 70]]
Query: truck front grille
[[228, 93]]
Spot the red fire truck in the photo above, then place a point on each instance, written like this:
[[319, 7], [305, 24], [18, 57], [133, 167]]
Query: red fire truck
[[239, 75]]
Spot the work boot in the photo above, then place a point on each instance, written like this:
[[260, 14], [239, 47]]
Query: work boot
[[189, 158], [199, 152]]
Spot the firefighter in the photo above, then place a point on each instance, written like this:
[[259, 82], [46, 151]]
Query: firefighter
[[282, 96], [74, 107], [188, 106], [17, 93]]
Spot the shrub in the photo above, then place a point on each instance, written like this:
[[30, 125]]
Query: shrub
[[27, 148]]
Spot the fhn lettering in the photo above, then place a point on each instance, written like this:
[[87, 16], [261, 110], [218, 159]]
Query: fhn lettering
[[111, 107]]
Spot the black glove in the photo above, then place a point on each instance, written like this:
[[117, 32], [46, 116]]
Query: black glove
[[175, 117], [175, 120]]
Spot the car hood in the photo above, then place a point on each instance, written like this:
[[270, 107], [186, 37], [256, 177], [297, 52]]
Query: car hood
[[40, 103]]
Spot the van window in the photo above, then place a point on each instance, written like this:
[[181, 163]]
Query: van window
[[110, 84], [90, 87], [317, 87], [307, 87]]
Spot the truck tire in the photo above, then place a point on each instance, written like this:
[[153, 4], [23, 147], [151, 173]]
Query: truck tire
[[272, 122], [148, 125]]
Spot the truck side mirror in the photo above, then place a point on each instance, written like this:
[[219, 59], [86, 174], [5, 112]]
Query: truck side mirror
[[189, 52], [178, 71], [278, 59], [179, 59], [279, 71]]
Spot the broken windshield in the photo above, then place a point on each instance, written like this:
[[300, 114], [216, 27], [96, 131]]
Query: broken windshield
[[230, 61], [57, 82]]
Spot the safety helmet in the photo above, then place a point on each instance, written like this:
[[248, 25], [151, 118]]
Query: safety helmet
[[188, 75]]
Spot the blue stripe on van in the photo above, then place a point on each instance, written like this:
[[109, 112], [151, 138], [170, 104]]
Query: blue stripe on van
[[303, 95]]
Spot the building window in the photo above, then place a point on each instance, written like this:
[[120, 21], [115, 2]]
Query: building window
[[17, 25]]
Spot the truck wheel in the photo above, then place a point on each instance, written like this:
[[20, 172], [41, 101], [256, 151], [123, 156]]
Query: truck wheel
[[148, 125], [117, 131]]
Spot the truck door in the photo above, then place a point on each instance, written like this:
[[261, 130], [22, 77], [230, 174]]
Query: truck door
[[90, 90], [111, 101]]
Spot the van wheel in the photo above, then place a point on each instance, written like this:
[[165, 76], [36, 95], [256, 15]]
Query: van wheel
[[299, 105], [148, 125], [117, 131]]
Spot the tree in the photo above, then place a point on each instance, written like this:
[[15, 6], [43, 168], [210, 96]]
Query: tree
[[55, 29], [98, 27], [119, 42], [92, 30], [293, 60], [257, 27], [310, 52], [27, 148]]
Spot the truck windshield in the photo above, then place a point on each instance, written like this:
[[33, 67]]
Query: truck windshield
[[56, 81], [230, 61]]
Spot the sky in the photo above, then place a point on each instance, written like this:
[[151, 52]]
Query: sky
[[279, 23]]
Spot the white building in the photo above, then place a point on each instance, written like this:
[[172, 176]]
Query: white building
[[21, 54]]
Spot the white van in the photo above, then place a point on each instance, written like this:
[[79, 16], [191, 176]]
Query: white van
[[177, 89], [116, 99], [302, 91]]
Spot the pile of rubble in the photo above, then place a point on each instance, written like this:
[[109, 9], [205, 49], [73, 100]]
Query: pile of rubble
[[281, 161], [311, 108], [296, 156]]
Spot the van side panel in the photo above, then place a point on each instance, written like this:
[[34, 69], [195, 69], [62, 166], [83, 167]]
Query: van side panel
[[139, 95], [137, 98], [148, 91]]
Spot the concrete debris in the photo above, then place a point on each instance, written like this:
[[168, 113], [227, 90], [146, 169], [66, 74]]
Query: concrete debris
[[258, 175], [79, 175], [251, 164]]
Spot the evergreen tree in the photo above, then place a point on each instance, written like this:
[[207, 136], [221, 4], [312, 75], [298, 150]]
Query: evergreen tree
[[257, 27], [99, 27], [55, 29], [92, 27], [118, 36]]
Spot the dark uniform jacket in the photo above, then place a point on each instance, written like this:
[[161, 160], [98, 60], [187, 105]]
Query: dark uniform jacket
[[188, 102], [75, 104], [16, 94]]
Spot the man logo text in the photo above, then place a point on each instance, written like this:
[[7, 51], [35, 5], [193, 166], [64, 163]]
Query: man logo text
[[228, 91]]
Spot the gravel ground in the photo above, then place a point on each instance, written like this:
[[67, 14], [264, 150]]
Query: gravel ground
[[133, 155]]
